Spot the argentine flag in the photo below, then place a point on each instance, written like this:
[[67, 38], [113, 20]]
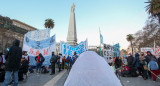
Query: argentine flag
[[101, 37]]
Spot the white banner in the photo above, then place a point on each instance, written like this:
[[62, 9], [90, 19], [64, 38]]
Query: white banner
[[38, 35]]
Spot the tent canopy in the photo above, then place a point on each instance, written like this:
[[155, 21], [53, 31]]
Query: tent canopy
[[90, 69]]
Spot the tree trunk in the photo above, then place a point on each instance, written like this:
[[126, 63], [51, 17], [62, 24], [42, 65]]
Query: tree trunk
[[132, 47]]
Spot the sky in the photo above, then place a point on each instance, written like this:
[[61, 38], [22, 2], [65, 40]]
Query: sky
[[115, 19]]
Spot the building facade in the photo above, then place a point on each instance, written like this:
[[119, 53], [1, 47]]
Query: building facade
[[11, 29]]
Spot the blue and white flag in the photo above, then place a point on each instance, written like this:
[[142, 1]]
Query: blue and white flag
[[101, 37], [66, 49], [116, 50]]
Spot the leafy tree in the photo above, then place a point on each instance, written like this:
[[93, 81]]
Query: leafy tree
[[49, 23], [153, 8], [130, 38]]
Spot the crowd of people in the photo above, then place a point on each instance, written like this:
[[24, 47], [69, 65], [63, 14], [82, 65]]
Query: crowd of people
[[147, 66], [15, 64]]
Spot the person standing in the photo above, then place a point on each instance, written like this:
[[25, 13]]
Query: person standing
[[148, 57], [12, 64], [53, 60], [158, 61], [118, 62], [68, 61], [23, 69], [130, 61], [25, 55], [60, 61], [39, 61], [63, 62], [110, 61], [153, 66], [74, 58], [143, 64], [136, 63], [1, 59]]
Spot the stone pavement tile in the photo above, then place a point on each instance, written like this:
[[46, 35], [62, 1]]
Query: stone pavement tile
[[36, 79], [138, 81], [62, 80]]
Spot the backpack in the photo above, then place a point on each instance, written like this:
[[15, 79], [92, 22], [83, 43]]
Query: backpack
[[153, 65], [44, 70], [67, 60], [31, 70], [41, 59]]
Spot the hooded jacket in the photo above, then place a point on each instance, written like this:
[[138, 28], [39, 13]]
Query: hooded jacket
[[136, 61], [130, 60], [148, 58], [13, 57]]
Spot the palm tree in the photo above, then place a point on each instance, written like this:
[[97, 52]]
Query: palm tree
[[49, 23], [154, 8], [130, 38]]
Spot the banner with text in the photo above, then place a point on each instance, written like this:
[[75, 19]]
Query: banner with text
[[154, 51], [111, 51], [66, 49], [45, 47]]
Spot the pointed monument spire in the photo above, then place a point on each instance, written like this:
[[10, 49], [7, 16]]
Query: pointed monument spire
[[72, 34]]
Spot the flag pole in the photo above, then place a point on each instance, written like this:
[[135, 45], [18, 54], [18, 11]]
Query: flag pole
[[100, 41]]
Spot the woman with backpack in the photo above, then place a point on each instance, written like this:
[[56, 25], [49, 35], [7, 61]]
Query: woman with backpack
[[68, 61], [39, 61]]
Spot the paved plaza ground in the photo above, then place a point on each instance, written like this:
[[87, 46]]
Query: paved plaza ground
[[59, 79]]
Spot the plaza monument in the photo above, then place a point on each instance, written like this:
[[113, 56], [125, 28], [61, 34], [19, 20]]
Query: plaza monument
[[72, 34]]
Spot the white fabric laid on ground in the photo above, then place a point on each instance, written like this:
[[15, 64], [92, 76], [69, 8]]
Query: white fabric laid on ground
[[90, 69]]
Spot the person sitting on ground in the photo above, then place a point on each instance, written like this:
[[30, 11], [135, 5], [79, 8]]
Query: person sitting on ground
[[153, 67], [23, 69]]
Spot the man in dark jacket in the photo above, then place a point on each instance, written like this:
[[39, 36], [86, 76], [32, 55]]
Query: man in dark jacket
[[12, 63], [118, 62], [130, 61], [136, 63], [53, 60], [23, 68]]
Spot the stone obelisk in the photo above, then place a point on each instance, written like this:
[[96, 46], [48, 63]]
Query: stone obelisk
[[72, 34]]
